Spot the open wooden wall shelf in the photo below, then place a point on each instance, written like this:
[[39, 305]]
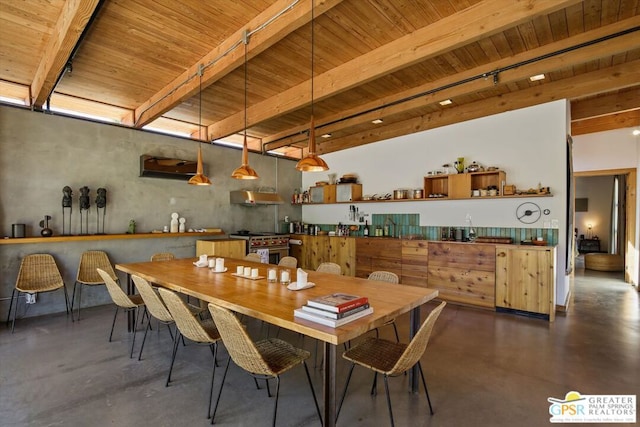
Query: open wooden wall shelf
[[90, 237]]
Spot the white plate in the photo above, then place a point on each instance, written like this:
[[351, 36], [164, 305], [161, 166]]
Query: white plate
[[293, 286], [213, 270]]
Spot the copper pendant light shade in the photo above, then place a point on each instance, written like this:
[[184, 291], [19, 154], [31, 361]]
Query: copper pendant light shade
[[312, 162], [200, 178], [245, 171]]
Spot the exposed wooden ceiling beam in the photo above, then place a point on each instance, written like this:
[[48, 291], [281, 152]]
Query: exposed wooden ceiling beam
[[617, 77], [185, 86], [601, 50], [604, 123], [72, 21], [623, 101], [474, 23]]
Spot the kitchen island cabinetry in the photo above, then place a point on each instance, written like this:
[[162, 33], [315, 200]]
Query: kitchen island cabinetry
[[463, 273], [525, 279], [228, 248], [317, 249], [378, 253]]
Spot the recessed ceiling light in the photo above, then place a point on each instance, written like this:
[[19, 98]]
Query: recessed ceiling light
[[446, 102], [376, 121], [537, 77], [636, 132], [326, 135]]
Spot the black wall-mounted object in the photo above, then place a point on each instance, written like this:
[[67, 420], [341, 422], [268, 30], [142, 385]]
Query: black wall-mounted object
[[167, 168]]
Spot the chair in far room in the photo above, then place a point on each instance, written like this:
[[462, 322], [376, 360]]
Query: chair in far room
[[163, 256], [38, 273], [391, 359], [88, 275], [253, 257], [329, 267], [389, 277], [288, 261]]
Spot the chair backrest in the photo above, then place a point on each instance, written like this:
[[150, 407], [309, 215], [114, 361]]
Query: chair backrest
[[384, 276], [89, 262], [329, 267], [119, 297], [240, 346], [186, 322], [418, 344], [38, 273], [151, 299], [288, 261], [253, 257], [163, 256]]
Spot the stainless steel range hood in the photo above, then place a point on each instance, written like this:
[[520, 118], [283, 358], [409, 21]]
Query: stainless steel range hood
[[255, 198]]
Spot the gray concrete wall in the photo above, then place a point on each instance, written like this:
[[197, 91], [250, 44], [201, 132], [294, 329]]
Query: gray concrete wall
[[42, 153]]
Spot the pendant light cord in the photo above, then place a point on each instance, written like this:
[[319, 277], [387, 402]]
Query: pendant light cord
[[312, 50]]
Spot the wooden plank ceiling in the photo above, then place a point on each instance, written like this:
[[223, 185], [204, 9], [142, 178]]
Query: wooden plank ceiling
[[179, 65]]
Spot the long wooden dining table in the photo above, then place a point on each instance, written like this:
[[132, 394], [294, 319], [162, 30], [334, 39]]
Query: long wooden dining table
[[275, 303]]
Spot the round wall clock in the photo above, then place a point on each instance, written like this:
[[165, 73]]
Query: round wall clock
[[528, 213]]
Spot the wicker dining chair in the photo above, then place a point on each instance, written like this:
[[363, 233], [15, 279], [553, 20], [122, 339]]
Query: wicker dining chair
[[194, 329], [391, 359], [122, 300], [389, 277], [288, 261], [156, 308], [38, 273], [163, 256], [253, 257], [265, 359], [90, 261], [329, 267]]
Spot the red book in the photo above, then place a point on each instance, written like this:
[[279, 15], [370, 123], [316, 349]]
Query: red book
[[338, 302]]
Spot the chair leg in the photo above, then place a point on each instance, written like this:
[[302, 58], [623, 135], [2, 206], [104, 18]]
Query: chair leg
[[144, 338], [113, 324], [73, 299], [424, 383], [15, 310], [275, 407], [313, 392], [79, 301], [374, 386], [10, 306], [224, 376], [268, 390], [66, 299], [135, 329], [214, 352], [344, 392], [395, 329], [173, 356], [386, 387]]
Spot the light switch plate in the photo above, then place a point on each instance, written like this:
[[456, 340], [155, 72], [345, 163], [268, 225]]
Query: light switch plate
[[546, 224], [555, 223]]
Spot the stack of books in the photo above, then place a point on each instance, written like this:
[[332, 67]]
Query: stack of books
[[334, 309]]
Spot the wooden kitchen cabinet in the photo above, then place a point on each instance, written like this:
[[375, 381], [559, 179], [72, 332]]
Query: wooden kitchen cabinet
[[459, 186], [228, 248], [463, 273], [415, 263], [378, 253], [317, 249], [525, 279]]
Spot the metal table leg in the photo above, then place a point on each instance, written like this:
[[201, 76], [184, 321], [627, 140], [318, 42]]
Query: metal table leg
[[329, 385], [414, 325]]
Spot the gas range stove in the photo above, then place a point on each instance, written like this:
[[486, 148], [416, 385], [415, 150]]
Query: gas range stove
[[263, 240]]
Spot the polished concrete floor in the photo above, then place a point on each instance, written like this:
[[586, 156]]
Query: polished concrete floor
[[482, 369]]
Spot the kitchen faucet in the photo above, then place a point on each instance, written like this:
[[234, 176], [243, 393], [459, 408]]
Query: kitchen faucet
[[389, 220]]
